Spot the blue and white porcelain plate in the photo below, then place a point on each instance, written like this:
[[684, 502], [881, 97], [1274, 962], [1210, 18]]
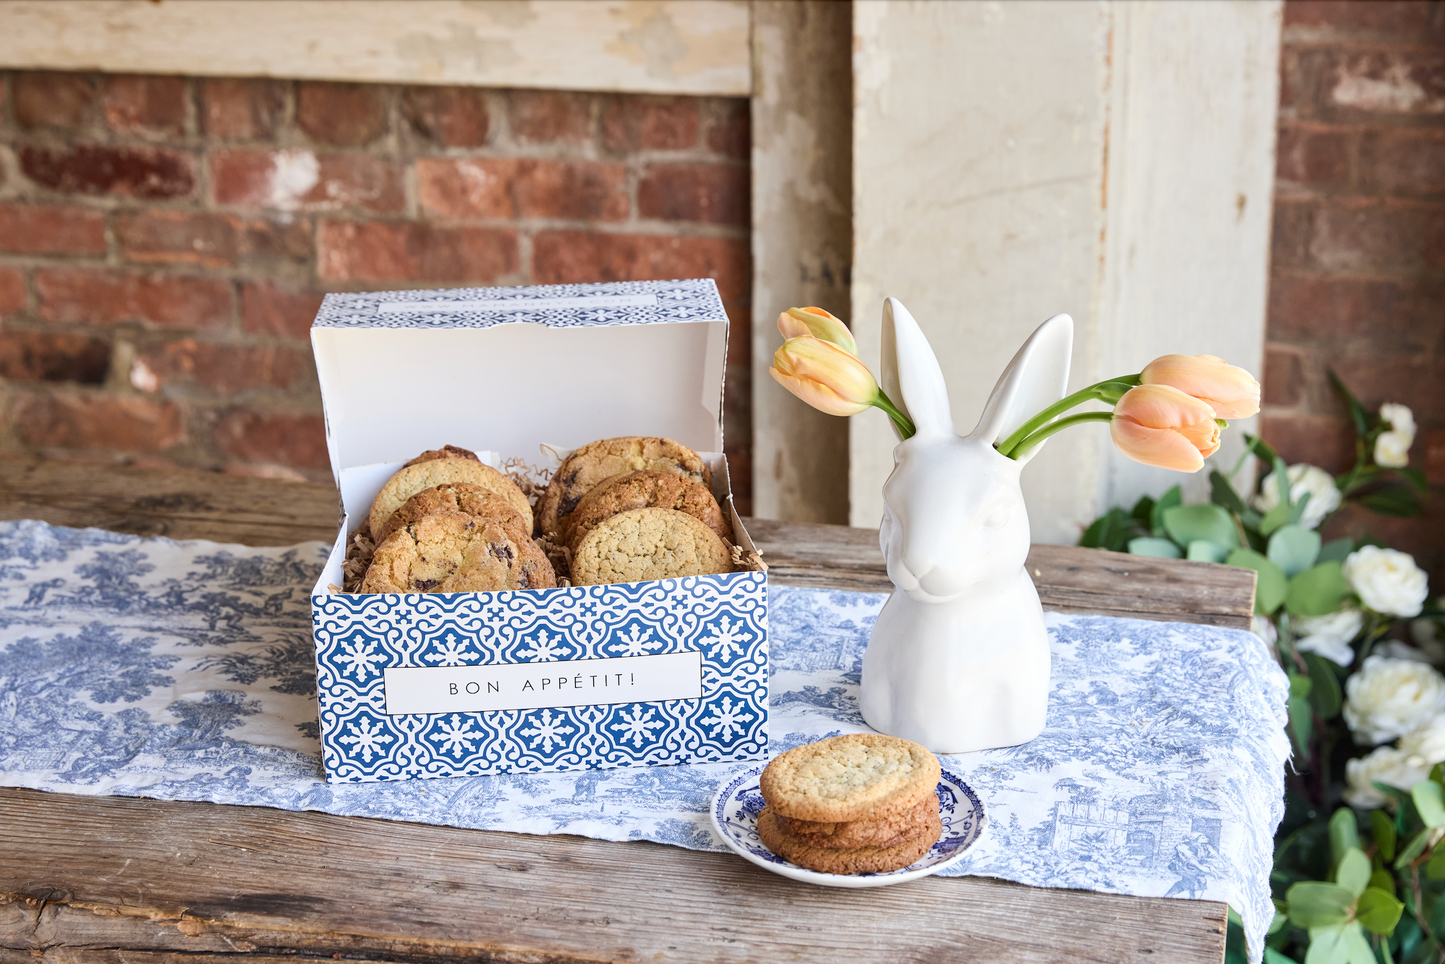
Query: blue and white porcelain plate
[[735, 812]]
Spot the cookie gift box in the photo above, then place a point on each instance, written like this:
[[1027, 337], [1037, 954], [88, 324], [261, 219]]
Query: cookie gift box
[[651, 673]]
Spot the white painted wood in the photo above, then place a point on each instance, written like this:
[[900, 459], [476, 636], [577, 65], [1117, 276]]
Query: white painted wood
[[663, 46], [1013, 160]]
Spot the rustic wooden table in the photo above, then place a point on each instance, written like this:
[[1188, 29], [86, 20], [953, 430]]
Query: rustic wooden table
[[119, 879]]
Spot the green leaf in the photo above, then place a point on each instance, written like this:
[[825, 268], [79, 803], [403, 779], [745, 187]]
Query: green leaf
[[1378, 911], [1279, 919], [1336, 550], [1201, 550], [1276, 517], [1339, 944], [1382, 828], [1416, 478], [1300, 686], [1435, 866], [1344, 834], [1272, 587], [1159, 548], [1384, 880], [1353, 873], [1301, 721], [1294, 548], [1222, 494], [1143, 511], [1413, 849], [1318, 591], [1315, 903], [1325, 694], [1430, 803], [1357, 411], [1175, 496], [1186, 523], [1272, 956], [1395, 501], [1111, 531]]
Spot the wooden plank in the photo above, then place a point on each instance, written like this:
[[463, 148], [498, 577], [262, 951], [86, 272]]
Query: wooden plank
[[670, 47], [88, 879]]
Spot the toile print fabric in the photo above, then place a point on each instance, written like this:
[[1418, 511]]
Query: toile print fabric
[[186, 671]]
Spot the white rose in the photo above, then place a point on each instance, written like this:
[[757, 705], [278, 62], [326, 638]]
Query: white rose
[[1330, 636], [1401, 419], [1303, 478], [1388, 698], [1387, 580], [1387, 765], [1264, 629], [1425, 745], [1392, 447]]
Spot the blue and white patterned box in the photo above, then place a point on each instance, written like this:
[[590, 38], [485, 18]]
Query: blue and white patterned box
[[406, 682]]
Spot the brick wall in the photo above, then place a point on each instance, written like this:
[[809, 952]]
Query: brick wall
[[1358, 274], [165, 241]]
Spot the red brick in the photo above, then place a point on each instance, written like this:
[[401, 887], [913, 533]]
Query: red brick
[[148, 173], [1390, 82], [522, 188], [704, 193], [51, 229], [1283, 380], [119, 423], [269, 310], [241, 110], [447, 116], [377, 251], [1407, 19], [292, 180], [1317, 160], [633, 123], [1412, 380], [52, 356], [345, 115], [52, 99], [211, 240], [568, 257], [729, 128], [12, 292], [1322, 440], [1401, 315], [145, 104], [1378, 238], [1432, 455], [1290, 237], [97, 297], [740, 336], [275, 438], [1404, 163], [541, 116], [224, 368]]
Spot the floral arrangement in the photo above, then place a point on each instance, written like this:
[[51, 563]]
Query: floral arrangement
[[1358, 875]]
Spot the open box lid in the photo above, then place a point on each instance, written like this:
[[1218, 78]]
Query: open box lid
[[404, 371]]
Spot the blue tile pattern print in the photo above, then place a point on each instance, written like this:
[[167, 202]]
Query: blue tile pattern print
[[671, 301], [185, 671]]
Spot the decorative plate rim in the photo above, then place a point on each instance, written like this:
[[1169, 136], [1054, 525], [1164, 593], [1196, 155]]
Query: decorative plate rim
[[961, 791]]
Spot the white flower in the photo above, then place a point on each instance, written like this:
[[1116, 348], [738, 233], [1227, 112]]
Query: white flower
[[1425, 745], [1395, 649], [1303, 478], [1387, 765], [1387, 580], [1330, 636], [1392, 447], [1388, 698], [1264, 629]]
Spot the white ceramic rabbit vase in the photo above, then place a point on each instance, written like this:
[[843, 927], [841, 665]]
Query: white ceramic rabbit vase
[[959, 657]]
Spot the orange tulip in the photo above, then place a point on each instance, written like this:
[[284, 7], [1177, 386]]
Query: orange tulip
[[825, 376], [800, 322], [1228, 389], [1162, 426]]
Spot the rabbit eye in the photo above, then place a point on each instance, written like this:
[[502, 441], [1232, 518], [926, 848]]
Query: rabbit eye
[[996, 517]]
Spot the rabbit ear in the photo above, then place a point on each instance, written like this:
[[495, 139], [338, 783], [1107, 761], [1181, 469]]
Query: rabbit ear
[[1036, 378], [912, 377]]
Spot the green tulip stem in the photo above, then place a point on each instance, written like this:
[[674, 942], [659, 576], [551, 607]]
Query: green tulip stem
[[900, 420], [1107, 391], [1057, 426]]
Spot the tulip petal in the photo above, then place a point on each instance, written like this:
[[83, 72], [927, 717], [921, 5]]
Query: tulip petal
[[825, 376], [1159, 447], [817, 323], [1229, 390]]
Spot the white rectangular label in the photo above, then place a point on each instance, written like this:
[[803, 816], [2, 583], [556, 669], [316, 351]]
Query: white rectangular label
[[528, 686], [517, 304]]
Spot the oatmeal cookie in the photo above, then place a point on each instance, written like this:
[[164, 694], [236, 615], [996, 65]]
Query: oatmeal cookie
[[640, 490], [858, 776], [598, 461], [450, 551], [648, 544]]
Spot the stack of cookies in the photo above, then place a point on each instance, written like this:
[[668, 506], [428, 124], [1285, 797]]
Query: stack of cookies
[[447, 522], [863, 803], [635, 508]]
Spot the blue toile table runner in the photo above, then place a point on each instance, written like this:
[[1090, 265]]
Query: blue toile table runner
[[185, 671]]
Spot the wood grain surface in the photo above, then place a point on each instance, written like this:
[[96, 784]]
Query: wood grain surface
[[111, 879]]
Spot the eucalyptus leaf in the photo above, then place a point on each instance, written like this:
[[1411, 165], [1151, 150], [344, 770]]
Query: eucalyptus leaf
[[1325, 692], [1315, 903], [1339, 944], [1378, 911], [1171, 498], [1301, 721], [1383, 880], [1336, 550], [1159, 548], [1318, 591], [1413, 849], [1383, 830], [1274, 518], [1430, 803], [1294, 548], [1353, 873], [1186, 523], [1272, 586], [1344, 834], [1435, 866], [1272, 956], [1201, 550]]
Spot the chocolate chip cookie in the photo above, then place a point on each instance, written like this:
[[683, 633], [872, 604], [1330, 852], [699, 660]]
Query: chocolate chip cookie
[[468, 497], [411, 479], [598, 461], [648, 544], [450, 551], [644, 489]]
